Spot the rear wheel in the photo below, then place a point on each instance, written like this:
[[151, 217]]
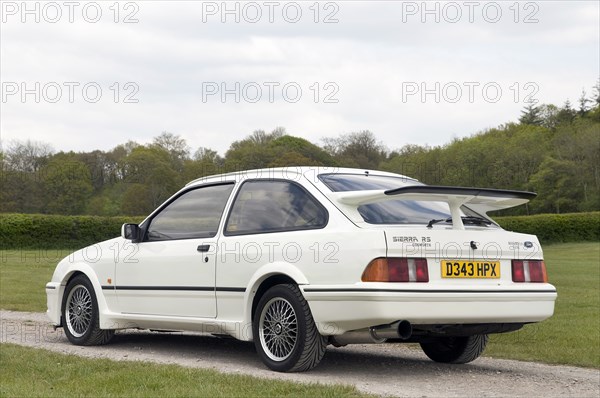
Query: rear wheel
[[462, 349], [285, 334], [80, 314]]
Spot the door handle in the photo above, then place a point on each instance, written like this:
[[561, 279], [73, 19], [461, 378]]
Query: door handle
[[203, 248]]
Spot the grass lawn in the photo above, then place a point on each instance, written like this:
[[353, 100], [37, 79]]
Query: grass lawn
[[23, 277], [29, 372], [571, 336]]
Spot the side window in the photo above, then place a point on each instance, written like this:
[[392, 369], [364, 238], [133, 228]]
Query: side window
[[195, 214], [274, 206]]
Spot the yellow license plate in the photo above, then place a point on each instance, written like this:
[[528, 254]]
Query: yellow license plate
[[470, 269]]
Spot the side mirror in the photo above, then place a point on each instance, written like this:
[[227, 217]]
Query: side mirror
[[131, 232]]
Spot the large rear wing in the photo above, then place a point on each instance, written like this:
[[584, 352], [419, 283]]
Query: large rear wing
[[482, 200]]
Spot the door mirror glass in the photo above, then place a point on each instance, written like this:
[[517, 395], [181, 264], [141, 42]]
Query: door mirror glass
[[131, 232]]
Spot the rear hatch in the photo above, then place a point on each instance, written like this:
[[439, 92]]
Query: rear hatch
[[447, 226]]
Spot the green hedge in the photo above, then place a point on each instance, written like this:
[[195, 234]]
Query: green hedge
[[38, 231], [552, 228]]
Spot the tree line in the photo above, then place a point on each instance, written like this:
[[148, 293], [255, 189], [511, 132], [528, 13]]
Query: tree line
[[552, 150]]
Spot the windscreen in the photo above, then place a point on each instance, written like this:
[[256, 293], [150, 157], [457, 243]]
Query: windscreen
[[393, 211]]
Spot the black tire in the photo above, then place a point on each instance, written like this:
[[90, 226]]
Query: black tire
[[461, 349], [285, 334], [80, 314]]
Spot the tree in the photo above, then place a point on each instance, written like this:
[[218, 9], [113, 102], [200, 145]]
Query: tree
[[67, 184], [98, 164], [555, 183], [28, 156], [292, 158], [596, 98], [149, 170], [204, 154], [176, 147], [253, 152], [414, 161], [259, 137], [205, 162], [583, 103], [531, 115], [115, 161], [360, 149], [566, 114], [580, 145], [309, 153], [137, 200], [550, 116], [555, 150], [21, 182]]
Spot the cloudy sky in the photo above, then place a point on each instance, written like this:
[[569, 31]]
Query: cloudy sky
[[91, 75]]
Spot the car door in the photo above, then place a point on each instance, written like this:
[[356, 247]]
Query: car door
[[270, 222], [173, 270]]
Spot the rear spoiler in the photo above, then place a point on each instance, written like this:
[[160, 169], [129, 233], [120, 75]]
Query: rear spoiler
[[482, 200]]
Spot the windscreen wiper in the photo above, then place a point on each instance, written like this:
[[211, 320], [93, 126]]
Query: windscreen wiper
[[474, 220], [435, 221]]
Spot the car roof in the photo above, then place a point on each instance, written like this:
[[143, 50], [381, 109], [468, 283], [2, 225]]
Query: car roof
[[290, 172]]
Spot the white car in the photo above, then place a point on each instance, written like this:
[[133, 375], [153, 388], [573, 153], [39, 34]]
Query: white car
[[298, 258]]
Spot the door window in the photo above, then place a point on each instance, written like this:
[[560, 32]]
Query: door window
[[195, 214]]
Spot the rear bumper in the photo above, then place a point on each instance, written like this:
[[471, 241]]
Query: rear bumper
[[337, 309]]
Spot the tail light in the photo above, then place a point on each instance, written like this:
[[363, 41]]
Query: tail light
[[392, 269], [529, 271]]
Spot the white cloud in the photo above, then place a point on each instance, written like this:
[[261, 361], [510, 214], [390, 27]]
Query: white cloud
[[370, 55]]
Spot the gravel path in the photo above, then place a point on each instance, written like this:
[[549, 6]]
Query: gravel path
[[391, 370]]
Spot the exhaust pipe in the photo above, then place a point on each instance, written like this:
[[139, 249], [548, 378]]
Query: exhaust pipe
[[374, 335], [405, 330]]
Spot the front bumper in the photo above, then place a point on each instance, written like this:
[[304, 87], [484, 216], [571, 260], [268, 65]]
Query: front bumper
[[53, 295], [337, 310]]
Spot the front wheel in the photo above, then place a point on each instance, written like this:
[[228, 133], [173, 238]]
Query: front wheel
[[80, 314], [461, 349], [285, 334]]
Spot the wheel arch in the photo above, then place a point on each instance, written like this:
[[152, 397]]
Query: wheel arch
[[286, 336], [85, 270], [269, 282], [262, 280]]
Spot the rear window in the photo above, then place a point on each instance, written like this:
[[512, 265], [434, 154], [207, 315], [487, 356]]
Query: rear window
[[393, 211]]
